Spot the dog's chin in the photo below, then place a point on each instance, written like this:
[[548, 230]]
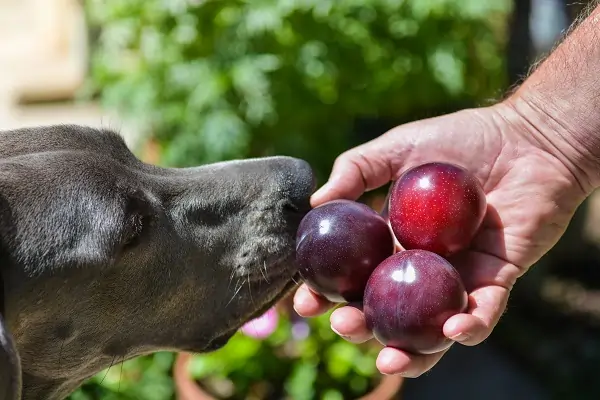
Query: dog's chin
[[289, 286], [220, 341]]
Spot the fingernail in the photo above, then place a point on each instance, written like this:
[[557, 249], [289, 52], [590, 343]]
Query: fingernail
[[461, 337], [401, 373], [387, 361], [340, 335], [345, 323], [299, 300], [336, 319]]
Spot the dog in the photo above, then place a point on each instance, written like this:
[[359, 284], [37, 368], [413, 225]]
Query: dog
[[105, 258]]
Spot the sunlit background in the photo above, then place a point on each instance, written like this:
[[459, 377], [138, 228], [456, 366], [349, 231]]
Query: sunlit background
[[195, 81]]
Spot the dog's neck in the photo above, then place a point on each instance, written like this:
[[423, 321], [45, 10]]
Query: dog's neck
[[59, 381], [33, 387], [40, 388], [48, 370], [49, 367]]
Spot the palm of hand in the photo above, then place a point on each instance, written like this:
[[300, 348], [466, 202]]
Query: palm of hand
[[531, 198]]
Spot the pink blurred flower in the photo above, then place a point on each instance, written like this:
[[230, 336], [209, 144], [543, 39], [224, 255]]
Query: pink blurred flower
[[263, 326]]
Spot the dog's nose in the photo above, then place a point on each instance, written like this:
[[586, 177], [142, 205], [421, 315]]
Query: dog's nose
[[298, 182]]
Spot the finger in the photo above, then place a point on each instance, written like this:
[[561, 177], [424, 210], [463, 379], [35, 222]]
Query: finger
[[391, 361], [349, 322], [486, 306], [363, 168], [309, 304]]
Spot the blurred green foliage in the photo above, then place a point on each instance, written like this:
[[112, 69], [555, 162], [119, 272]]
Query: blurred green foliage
[[285, 367], [214, 80]]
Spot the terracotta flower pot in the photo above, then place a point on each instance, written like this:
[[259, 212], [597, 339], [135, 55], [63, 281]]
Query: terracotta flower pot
[[187, 388]]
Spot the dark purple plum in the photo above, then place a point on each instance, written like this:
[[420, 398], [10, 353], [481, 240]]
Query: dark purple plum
[[437, 207], [338, 245], [409, 297]]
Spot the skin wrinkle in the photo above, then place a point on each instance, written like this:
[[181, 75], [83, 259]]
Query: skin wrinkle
[[368, 183], [491, 184], [361, 172]]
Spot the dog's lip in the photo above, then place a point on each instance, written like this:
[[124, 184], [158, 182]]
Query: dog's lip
[[290, 285], [221, 341]]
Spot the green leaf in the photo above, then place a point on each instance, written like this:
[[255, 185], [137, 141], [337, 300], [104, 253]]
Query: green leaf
[[301, 382]]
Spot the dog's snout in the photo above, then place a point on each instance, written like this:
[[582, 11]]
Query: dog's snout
[[297, 181]]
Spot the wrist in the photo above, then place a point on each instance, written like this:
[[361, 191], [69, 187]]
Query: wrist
[[570, 135], [557, 106]]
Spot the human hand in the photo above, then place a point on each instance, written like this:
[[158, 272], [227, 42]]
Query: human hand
[[532, 191]]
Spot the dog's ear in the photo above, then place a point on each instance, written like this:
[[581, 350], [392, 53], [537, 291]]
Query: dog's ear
[[10, 364]]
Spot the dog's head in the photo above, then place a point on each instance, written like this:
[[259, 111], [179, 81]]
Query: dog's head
[[105, 257]]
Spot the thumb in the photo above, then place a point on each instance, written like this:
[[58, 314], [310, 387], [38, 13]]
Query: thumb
[[360, 169]]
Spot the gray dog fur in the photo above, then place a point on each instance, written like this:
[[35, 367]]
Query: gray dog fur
[[104, 258]]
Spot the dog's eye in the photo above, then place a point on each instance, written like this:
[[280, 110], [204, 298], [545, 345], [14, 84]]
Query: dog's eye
[[210, 218], [133, 229], [137, 216], [207, 218], [213, 214]]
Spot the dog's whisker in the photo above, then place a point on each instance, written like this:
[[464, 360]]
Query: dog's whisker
[[239, 284], [108, 369], [250, 287], [264, 271], [264, 275], [121, 374], [237, 290], [233, 271]]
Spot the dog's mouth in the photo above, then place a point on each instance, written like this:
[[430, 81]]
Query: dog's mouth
[[289, 287], [222, 340]]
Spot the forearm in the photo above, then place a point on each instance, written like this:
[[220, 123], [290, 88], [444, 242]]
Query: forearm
[[560, 101]]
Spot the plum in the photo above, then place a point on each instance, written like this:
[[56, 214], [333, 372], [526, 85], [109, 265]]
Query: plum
[[437, 207], [338, 245], [409, 297]]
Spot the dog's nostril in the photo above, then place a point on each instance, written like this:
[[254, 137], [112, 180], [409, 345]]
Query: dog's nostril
[[287, 206], [298, 182]]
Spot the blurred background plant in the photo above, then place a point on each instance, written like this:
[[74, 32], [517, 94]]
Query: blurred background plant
[[214, 80]]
